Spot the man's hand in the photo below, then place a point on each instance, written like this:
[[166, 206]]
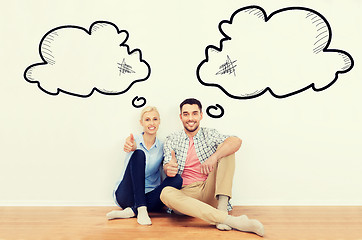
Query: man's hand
[[130, 144], [209, 165], [171, 167]]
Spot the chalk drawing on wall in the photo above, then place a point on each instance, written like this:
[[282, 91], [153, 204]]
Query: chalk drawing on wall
[[216, 111], [78, 62], [284, 54], [139, 102]]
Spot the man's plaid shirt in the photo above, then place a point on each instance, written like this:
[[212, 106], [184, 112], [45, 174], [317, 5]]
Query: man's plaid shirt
[[206, 142]]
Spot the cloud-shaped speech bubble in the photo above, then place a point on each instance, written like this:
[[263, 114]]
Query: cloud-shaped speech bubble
[[78, 62], [284, 53]]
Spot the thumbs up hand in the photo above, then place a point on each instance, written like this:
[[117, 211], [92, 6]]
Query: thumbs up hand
[[171, 167], [130, 144], [173, 157]]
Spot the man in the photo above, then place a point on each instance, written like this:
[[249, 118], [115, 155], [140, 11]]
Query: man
[[206, 161]]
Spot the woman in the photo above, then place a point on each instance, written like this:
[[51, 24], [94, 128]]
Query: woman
[[139, 188]]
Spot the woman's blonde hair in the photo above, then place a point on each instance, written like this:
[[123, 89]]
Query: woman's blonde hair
[[148, 109]]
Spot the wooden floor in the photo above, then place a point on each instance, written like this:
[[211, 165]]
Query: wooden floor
[[281, 223]]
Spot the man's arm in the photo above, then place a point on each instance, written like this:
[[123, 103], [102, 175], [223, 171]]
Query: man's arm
[[170, 166], [228, 147]]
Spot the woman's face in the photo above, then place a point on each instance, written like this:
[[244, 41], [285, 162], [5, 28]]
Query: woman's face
[[150, 122]]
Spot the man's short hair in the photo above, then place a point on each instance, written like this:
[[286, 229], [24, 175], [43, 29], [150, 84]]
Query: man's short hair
[[191, 101]]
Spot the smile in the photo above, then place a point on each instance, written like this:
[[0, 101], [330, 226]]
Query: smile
[[191, 123]]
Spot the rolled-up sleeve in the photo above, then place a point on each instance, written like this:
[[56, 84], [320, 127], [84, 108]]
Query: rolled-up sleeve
[[215, 137], [167, 147]]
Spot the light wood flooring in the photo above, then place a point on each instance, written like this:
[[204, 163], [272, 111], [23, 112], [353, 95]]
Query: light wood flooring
[[281, 223]]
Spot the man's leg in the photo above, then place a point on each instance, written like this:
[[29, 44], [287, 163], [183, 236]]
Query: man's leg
[[199, 199], [220, 181], [217, 188], [179, 201]]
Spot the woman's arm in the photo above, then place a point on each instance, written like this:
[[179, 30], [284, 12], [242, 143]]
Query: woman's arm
[[130, 145]]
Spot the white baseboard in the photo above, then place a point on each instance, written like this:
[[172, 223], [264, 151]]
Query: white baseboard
[[296, 203], [50, 203], [234, 203]]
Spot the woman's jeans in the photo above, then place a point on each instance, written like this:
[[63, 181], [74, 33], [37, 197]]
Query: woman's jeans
[[131, 190]]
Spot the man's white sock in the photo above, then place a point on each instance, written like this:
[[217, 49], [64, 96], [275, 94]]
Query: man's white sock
[[243, 223], [222, 205]]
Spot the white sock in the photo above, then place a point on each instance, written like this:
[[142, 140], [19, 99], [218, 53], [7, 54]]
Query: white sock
[[243, 223], [142, 216], [126, 213], [222, 205], [222, 202]]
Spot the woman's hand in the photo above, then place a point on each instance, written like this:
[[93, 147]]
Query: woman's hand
[[130, 144]]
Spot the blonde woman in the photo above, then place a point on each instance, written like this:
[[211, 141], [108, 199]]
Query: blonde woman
[[139, 188]]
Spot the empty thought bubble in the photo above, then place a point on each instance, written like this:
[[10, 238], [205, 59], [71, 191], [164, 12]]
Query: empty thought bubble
[[78, 61], [284, 53]]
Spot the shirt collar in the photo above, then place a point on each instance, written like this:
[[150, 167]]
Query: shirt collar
[[197, 136], [185, 136], [142, 141]]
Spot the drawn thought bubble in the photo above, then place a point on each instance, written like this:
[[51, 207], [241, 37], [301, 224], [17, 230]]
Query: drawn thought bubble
[[78, 62], [284, 53]]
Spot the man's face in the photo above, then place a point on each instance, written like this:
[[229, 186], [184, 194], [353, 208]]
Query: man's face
[[190, 116]]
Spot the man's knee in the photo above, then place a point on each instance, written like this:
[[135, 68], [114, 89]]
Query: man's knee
[[226, 166], [165, 193], [230, 160]]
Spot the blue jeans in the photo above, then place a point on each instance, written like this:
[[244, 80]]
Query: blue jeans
[[131, 190]]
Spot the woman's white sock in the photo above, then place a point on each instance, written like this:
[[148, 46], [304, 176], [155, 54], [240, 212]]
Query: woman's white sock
[[142, 216], [126, 213]]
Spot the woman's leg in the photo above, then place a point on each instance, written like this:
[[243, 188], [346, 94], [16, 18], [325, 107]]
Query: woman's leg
[[130, 193], [154, 203]]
